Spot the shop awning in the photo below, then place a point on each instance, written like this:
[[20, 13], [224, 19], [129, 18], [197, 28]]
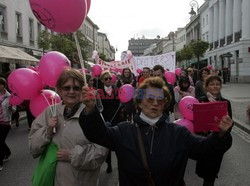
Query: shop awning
[[15, 55]]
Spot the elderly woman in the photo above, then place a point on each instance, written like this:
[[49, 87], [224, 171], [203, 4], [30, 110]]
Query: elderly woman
[[208, 168], [79, 160], [149, 149]]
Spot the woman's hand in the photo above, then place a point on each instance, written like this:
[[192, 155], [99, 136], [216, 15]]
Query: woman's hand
[[88, 97], [63, 155], [53, 122], [225, 124]]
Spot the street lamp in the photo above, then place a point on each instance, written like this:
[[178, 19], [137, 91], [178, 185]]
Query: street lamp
[[194, 4]]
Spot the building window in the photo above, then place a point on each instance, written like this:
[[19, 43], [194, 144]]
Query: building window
[[18, 24], [31, 29], [206, 19], [39, 28], [203, 22], [2, 18]]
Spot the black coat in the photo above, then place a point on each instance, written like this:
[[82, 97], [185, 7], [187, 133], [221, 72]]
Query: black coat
[[209, 168], [110, 105], [167, 148]]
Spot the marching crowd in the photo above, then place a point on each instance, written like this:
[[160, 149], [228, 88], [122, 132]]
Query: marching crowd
[[150, 149]]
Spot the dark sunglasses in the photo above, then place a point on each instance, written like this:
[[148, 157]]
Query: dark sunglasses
[[106, 79], [68, 88], [160, 101]]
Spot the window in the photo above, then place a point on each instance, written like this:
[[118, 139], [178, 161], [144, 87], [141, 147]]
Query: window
[[203, 22], [31, 29], [39, 28], [18, 24], [2, 18], [206, 19]]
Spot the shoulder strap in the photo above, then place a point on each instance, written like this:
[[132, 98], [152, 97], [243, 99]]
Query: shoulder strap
[[143, 156]]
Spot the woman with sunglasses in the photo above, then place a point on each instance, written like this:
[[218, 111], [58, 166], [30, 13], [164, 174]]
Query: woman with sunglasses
[[78, 160], [149, 150]]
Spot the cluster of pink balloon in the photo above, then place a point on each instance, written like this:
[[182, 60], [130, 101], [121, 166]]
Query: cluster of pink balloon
[[61, 16], [28, 83], [186, 109]]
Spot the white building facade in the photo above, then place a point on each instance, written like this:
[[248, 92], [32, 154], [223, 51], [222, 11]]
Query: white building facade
[[105, 47], [229, 37]]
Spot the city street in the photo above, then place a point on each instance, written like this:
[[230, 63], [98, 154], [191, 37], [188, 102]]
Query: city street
[[234, 170]]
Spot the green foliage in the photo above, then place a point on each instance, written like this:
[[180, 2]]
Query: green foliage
[[43, 40], [102, 56], [199, 47], [186, 53], [65, 44]]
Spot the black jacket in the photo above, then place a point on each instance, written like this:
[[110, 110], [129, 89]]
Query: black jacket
[[167, 147]]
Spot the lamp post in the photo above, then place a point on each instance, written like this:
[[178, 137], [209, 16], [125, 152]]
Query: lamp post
[[194, 4]]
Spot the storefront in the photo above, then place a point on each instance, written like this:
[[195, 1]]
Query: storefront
[[13, 58]]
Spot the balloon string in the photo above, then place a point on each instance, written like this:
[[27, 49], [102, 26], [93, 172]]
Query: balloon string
[[116, 112], [80, 57], [48, 104]]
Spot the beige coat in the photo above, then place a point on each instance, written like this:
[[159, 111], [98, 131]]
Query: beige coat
[[86, 157]]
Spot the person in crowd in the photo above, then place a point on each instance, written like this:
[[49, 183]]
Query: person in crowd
[[30, 117], [127, 109], [79, 160], [145, 75], [165, 148], [111, 106], [184, 88], [126, 78], [208, 168], [190, 74], [199, 90], [159, 71], [90, 80], [6, 111]]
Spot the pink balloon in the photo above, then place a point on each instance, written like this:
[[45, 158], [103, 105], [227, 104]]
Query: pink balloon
[[126, 93], [139, 71], [186, 107], [113, 80], [210, 67], [178, 71], [186, 123], [114, 69], [51, 66], [88, 5], [25, 83], [170, 77], [96, 70], [15, 100], [64, 16], [39, 103]]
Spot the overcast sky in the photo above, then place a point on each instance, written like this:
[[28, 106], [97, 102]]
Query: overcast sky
[[122, 20]]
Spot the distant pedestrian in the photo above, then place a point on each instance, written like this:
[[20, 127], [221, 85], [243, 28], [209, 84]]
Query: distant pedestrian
[[6, 111]]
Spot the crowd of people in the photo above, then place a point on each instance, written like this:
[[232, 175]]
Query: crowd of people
[[150, 149]]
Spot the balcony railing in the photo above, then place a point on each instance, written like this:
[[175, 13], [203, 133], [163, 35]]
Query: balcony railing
[[216, 44], [237, 36], [229, 39], [19, 39], [222, 42], [4, 35]]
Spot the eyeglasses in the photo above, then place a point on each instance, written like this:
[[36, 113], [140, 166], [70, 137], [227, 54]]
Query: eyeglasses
[[68, 88], [106, 79], [160, 101]]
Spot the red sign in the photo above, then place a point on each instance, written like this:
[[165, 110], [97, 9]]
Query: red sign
[[207, 116]]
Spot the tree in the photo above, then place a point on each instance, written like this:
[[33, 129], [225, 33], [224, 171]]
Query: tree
[[65, 44], [198, 48], [43, 40], [186, 53], [103, 56]]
